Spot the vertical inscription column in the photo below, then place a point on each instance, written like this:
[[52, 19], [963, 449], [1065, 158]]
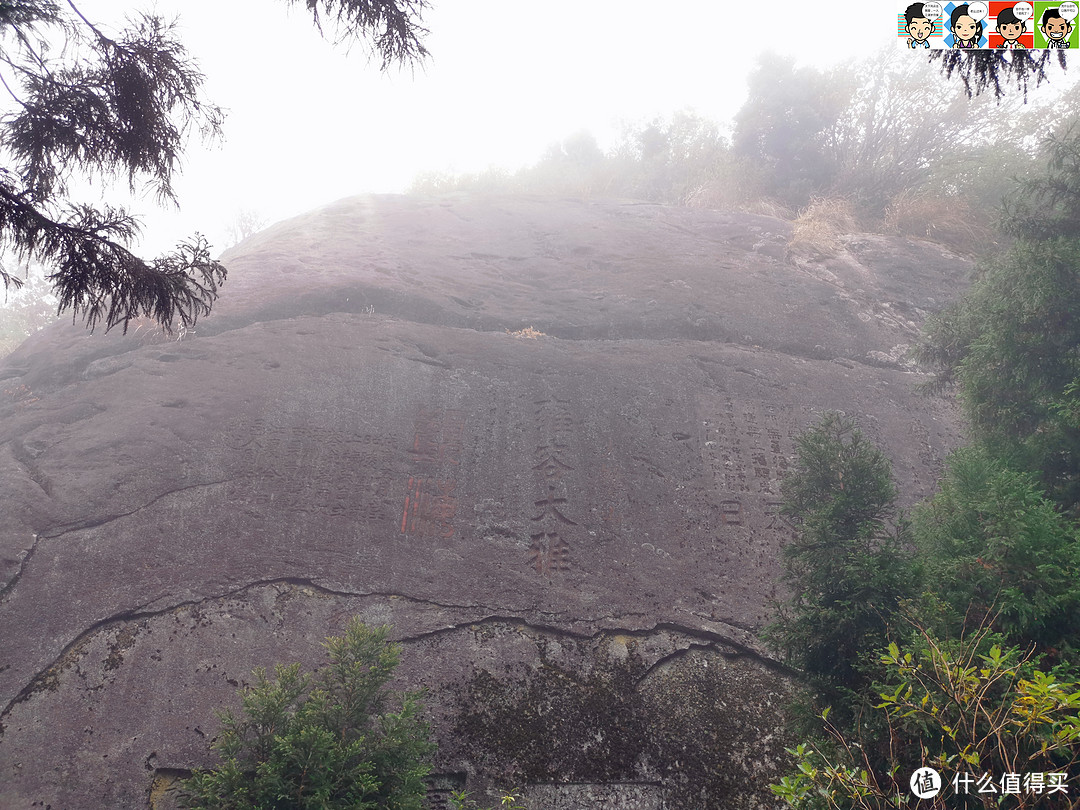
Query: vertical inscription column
[[778, 428], [549, 549], [430, 496], [747, 445]]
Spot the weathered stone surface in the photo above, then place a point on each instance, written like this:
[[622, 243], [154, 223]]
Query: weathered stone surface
[[574, 535]]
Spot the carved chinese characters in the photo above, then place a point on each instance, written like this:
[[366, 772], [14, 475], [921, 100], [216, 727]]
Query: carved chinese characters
[[431, 499], [549, 548], [747, 446]]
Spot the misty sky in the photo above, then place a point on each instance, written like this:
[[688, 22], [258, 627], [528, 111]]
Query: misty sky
[[309, 123]]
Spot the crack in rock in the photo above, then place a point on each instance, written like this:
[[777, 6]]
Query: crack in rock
[[708, 639], [93, 523], [88, 523], [139, 613], [22, 567]]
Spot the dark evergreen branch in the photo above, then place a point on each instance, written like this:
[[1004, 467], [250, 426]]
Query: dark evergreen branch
[[129, 110], [88, 24], [8, 88], [98, 277], [392, 25], [25, 40], [27, 13], [102, 107]]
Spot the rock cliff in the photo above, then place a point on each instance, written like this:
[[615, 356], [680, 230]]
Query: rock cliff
[[542, 439]]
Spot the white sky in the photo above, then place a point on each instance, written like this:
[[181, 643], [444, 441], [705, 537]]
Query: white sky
[[309, 123]]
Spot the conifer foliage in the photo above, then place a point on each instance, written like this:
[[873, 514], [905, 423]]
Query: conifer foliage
[[393, 25], [99, 106], [1012, 343], [985, 70], [848, 568], [93, 105], [326, 741]]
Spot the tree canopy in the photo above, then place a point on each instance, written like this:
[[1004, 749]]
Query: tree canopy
[[1011, 343], [980, 672], [95, 106]]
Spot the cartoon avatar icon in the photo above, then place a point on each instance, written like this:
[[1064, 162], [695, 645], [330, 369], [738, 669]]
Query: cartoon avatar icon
[[966, 31], [1055, 28], [919, 26], [1011, 29]]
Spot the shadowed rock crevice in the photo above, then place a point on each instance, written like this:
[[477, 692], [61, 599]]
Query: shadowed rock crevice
[[57, 532], [123, 624], [95, 522], [17, 570]]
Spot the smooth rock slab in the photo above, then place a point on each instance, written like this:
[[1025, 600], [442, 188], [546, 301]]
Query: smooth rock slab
[[577, 525]]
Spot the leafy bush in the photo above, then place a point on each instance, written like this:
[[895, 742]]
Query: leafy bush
[[958, 708], [999, 546], [508, 800], [1047, 205], [322, 741]]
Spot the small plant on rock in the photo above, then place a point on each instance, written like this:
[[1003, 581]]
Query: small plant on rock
[[508, 800]]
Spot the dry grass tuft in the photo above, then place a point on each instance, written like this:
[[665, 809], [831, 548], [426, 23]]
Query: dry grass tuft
[[818, 227], [768, 208], [147, 330], [727, 194], [711, 194], [834, 211], [527, 332], [949, 221]]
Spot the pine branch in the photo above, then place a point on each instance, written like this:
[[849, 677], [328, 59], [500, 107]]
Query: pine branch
[[127, 110], [982, 70], [98, 277], [392, 25], [101, 106]]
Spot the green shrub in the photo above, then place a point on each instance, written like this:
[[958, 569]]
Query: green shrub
[[999, 553], [508, 800], [963, 708], [1012, 344], [322, 741], [848, 567]]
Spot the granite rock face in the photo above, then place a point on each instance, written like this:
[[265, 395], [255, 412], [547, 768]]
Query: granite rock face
[[542, 439]]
